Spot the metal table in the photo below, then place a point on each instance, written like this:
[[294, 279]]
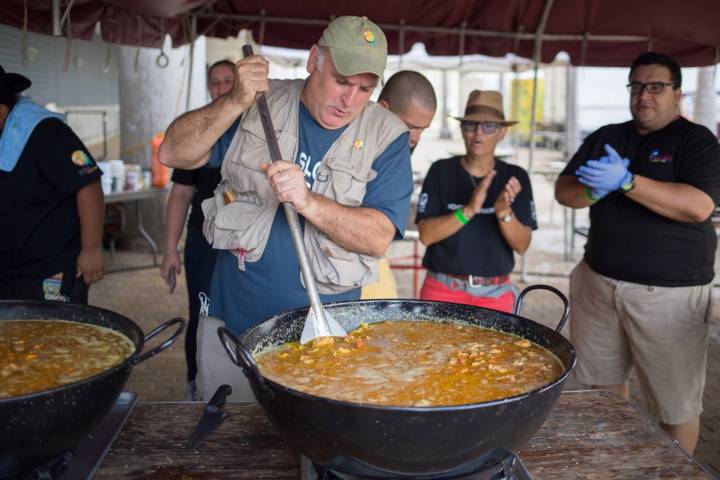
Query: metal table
[[135, 197]]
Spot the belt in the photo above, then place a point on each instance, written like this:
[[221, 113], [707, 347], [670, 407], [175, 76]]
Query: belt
[[477, 281]]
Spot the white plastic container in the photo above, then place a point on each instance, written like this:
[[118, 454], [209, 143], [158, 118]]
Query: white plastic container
[[117, 172], [106, 179]]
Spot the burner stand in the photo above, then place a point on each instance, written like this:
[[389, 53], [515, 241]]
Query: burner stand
[[500, 464]]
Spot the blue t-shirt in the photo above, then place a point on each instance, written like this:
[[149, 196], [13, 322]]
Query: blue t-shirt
[[220, 148], [272, 284]]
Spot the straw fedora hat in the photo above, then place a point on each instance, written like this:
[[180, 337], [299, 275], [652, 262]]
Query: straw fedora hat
[[485, 106]]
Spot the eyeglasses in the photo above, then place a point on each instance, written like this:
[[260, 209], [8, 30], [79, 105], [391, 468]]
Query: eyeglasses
[[653, 88], [469, 126]]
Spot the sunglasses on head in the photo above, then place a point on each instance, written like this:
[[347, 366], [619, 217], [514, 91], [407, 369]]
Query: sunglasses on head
[[469, 126]]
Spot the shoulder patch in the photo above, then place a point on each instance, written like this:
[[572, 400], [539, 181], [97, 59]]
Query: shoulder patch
[[80, 158]]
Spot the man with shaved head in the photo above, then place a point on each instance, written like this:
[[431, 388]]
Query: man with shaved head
[[410, 96]]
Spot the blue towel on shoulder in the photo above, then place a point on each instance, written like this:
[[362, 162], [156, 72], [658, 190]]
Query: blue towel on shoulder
[[21, 122]]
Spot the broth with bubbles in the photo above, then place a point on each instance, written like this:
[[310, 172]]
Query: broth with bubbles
[[413, 363]]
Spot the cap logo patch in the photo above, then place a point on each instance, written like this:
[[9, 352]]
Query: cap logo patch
[[80, 158], [369, 37]]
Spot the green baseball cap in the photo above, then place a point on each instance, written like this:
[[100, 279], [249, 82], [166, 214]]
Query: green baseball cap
[[356, 45]]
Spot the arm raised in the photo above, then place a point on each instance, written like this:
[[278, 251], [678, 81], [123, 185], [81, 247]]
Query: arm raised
[[190, 137]]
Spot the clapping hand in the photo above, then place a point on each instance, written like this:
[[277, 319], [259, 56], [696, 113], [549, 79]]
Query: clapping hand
[[507, 196], [480, 193], [606, 174]]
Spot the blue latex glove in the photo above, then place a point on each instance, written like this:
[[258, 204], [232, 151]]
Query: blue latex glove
[[608, 176], [597, 194]]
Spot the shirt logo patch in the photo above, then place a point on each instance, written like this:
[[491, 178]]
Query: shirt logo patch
[[80, 158], [657, 157], [422, 202]]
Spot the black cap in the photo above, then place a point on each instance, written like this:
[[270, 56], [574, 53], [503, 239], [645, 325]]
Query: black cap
[[12, 83]]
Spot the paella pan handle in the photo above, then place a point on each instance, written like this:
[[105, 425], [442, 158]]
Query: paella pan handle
[[159, 348], [241, 356], [230, 343], [566, 304]]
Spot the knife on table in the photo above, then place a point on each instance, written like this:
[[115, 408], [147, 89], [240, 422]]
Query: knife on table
[[212, 417]]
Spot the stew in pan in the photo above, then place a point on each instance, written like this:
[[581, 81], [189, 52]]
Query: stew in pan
[[413, 363], [38, 355]]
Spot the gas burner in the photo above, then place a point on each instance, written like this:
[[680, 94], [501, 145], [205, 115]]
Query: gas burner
[[52, 470], [499, 464], [81, 463]]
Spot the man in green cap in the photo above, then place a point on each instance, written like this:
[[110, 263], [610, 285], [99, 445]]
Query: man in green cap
[[346, 170]]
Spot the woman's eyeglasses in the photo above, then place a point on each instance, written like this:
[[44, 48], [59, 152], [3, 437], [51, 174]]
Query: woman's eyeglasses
[[469, 126], [653, 88]]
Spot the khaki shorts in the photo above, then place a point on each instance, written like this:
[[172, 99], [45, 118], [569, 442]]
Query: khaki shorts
[[215, 367], [661, 331]]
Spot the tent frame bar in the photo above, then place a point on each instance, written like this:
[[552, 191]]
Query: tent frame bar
[[539, 37], [531, 36]]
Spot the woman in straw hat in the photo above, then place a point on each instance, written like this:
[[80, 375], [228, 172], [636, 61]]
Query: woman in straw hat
[[474, 211]]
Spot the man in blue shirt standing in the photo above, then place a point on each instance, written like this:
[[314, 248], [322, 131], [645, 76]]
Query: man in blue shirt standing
[[349, 179]]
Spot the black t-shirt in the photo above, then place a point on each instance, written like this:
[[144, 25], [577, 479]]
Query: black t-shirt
[[628, 241], [204, 179], [39, 223], [479, 247]]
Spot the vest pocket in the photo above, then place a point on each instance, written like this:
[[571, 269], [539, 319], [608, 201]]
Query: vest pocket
[[237, 220], [337, 269], [254, 150], [347, 183], [250, 154]]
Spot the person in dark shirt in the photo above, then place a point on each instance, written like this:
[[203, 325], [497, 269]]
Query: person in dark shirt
[[189, 189], [641, 295], [51, 203], [410, 96], [474, 212]]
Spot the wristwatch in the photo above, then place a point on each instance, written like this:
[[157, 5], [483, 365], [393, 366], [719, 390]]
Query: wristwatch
[[628, 184], [506, 218]]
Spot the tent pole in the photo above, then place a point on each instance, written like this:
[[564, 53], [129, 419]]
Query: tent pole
[[533, 120], [444, 128], [193, 35], [56, 29], [531, 150]]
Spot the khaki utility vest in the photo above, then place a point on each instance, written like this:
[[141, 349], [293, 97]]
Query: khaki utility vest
[[240, 215]]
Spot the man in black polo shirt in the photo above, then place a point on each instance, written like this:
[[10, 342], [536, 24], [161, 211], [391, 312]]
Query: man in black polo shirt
[[51, 203], [641, 296]]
